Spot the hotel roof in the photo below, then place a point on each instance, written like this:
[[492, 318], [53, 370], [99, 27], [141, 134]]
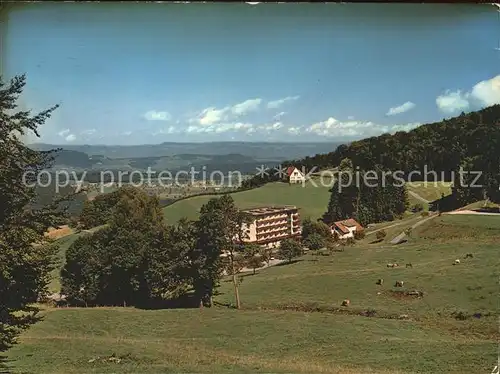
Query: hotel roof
[[270, 209]]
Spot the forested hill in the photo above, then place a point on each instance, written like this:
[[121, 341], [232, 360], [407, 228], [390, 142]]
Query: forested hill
[[442, 146], [470, 140]]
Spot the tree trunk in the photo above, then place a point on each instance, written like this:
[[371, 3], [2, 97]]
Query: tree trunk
[[235, 283]]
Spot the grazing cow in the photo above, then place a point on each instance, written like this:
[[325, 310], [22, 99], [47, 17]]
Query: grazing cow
[[346, 302], [469, 255], [457, 261], [409, 265], [380, 281], [392, 265], [399, 284]]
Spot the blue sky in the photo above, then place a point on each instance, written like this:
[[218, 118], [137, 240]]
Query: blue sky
[[150, 73]]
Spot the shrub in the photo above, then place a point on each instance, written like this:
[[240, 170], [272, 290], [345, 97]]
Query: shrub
[[424, 214], [417, 208], [315, 242], [358, 235], [349, 242], [289, 249], [381, 234]]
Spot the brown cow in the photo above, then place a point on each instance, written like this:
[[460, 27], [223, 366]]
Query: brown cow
[[346, 302], [399, 284]]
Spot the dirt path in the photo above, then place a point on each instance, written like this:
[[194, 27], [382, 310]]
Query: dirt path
[[401, 236], [473, 212], [393, 225]]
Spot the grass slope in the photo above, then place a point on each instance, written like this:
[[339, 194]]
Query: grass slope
[[312, 201], [268, 337]]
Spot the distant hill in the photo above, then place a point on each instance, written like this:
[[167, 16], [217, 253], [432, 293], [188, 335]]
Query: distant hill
[[256, 150]]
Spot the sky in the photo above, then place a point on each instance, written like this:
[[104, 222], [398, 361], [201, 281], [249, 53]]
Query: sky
[[151, 73]]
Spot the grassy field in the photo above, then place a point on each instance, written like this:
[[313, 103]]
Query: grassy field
[[292, 321], [312, 201], [430, 191]]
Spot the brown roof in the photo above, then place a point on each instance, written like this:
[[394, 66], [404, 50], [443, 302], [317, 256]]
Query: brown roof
[[342, 226]]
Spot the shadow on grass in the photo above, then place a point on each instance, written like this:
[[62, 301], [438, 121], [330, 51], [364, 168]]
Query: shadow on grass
[[187, 301], [376, 241], [488, 210]]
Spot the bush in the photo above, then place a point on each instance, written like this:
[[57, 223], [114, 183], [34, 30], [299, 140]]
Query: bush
[[381, 234], [417, 208], [350, 242], [424, 214], [315, 242], [358, 235], [289, 249]]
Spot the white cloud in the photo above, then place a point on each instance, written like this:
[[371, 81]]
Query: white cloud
[[169, 130], [483, 94], [401, 109], [294, 130], [350, 118], [221, 128], [66, 134], [275, 126], [89, 132], [487, 91], [451, 102], [246, 107], [153, 115], [333, 127], [277, 103], [127, 133], [70, 138], [63, 132], [210, 116], [279, 115]]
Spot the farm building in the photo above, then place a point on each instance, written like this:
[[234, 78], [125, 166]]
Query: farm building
[[294, 175], [346, 229]]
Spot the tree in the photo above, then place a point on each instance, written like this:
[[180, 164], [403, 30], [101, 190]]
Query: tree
[[310, 227], [255, 262], [289, 249], [315, 242], [220, 228], [133, 260], [25, 254], [254, 256]]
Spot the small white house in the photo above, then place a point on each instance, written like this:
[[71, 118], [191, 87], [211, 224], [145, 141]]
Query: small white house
[[346, 229], [294, 175]]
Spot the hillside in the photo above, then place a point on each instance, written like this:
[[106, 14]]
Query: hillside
[[310, 200], [292, 320], [470, 141]]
